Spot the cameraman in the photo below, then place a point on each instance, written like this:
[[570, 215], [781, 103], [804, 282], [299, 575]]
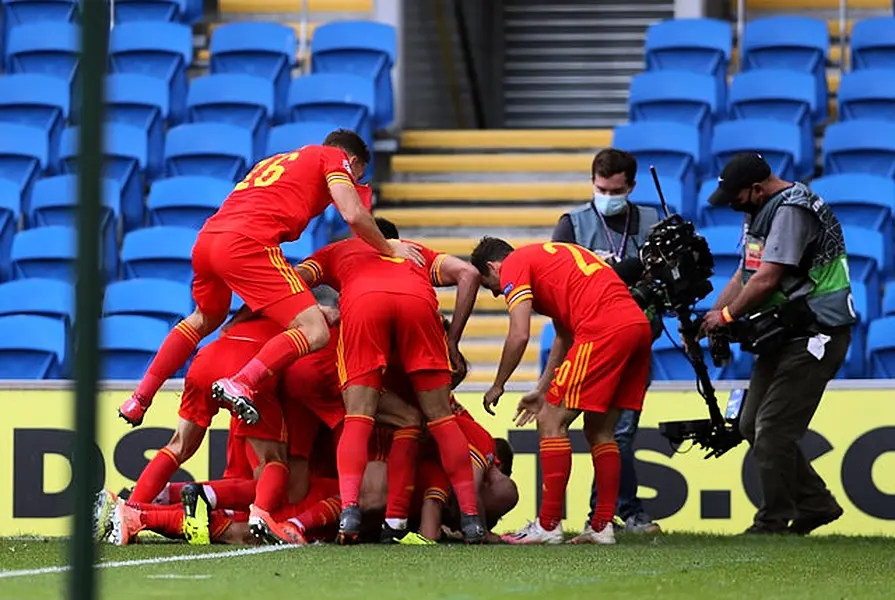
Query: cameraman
[[793, 258], [614, 228]]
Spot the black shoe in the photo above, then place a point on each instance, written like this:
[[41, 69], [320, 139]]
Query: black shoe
[[806, 525], [390, 535], [472, 530], [765, 529], [349, 525]]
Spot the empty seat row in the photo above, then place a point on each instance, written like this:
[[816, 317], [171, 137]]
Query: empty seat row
[[267, 50]]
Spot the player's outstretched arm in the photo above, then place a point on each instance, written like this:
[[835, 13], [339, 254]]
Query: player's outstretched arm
[[458, 272], [513, 350], [364, 226]]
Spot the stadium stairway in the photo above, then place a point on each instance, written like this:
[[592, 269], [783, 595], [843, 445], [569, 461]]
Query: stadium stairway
[[449, 188]]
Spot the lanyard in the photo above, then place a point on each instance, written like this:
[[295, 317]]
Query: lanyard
[[620, 253]]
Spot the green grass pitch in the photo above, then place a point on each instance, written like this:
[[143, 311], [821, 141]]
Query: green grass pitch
[[667, 566]]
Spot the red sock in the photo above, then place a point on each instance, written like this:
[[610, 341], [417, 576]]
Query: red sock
[[279, 351], [164, 520], [453, 447], [556, 466], [351, 456], [174, 489], [271, 487], [218, 522], [154, 477], [172, 354], [402, 461], [323, 513], [607, 467], [235, 494]]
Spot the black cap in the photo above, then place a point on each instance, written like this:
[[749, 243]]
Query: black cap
[[739, 173]]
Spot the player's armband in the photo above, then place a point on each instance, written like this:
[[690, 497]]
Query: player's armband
[[435, 270], [311, 271], [336, 177]]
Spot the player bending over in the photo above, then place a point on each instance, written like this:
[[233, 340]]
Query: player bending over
[[238, 251], [598, 365]]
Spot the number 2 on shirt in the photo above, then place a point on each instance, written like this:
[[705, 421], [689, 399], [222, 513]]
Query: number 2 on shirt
[[266, 172], [577, 252]]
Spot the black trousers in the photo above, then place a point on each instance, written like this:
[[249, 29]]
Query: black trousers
[[784, 393]]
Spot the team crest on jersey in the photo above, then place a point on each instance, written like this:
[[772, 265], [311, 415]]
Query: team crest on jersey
[[347, 165], [508, 288]]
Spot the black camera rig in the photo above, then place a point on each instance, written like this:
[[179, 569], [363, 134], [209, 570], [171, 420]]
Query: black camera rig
[[677, 265]]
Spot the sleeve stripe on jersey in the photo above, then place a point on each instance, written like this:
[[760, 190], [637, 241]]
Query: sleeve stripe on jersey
[[337, 177], [478, 459], [436, 494], [518, 299], [312, 267], [521, 292], [435, 271]]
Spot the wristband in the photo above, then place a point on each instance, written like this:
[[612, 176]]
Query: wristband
[[725, 314]]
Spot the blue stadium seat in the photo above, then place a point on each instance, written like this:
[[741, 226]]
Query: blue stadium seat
[[46, 47], [298, 250], [854, 366], [889, 300], [881, 348], [866, 308], [125, 155], [725, 244], [861, 146], [42, 297], [47, 252], [37, 100], [10, 219], [672, 189], [859, 199], [867, 94], [699, 45], [790, 42], [548, 333], [674, 149], [186, 201], [32, 347], [781, 95], [158, 49], [363, 48], [194, 11], [158, 252], [127, 345], [289, 137], [141, 101], [779, 143], [150, 10], [718, 283], [867, 260], [24, 156], [168, 301], [713, 216], [246, 101], [54, 201], [873, 44], [669, 363], [263, 49], [348, 100], [681, 96], [211, 149]]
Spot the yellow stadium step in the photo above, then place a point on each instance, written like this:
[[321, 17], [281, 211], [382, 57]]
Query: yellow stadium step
[[489, 353], [464, 246], [496, 326], [489, 192], [492, 163], [523, 374], [293, 6], [791, 6], [833, 83], [484, 217], [509, 139], [835, 27], [484, 302]]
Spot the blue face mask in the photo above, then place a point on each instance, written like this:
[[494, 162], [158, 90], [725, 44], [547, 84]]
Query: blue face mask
[[608, 205]]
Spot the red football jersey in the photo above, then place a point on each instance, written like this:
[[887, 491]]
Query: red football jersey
[[570, 284], [354, 268], [281, 194]]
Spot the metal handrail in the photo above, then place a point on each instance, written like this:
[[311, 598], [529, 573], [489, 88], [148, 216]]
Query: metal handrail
[[843, 36], [304, 45]]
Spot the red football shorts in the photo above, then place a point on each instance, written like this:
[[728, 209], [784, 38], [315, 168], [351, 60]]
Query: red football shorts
[[240, 457], [377, 324], [272, 425], [301, 428], [196, 404], [609, 371], [229, 262], [312, 382], [481, 444]]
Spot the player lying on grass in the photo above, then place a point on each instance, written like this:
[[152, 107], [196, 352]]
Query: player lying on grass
[[238, 251], [598, 365]]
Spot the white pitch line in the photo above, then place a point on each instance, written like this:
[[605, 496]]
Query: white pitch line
[[150, 561]]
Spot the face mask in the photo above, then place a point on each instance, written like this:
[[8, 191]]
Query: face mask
[[610, 205], [745, 207]]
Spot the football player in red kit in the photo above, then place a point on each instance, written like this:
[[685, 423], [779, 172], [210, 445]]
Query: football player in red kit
[[238, 251], [598, 365]]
